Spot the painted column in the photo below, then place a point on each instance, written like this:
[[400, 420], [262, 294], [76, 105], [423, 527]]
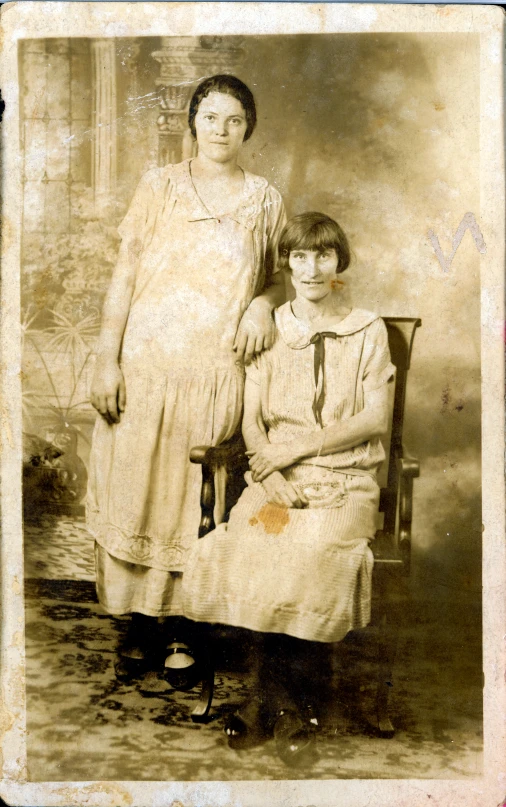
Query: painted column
[[58, 179], [33, 97], [184, 62], [104, 147]]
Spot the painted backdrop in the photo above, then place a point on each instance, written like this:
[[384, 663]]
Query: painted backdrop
[[379, 131]]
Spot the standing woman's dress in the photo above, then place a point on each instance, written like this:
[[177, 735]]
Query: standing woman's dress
[[195, 277], [304, 572]]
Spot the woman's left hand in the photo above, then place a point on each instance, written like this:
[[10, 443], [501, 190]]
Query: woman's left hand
[[256, 330], [270, 458]]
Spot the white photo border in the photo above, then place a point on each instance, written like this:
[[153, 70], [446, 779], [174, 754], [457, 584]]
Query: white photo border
[[104, 19]]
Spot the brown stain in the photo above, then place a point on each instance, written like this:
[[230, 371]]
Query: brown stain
[[438, 106], [445, 399], [17, 639], [13, 692], [334, 284], [6, 719], [319, 11], [379, 123], [6, 425], [448, 404], [273, 517], [70, 796]]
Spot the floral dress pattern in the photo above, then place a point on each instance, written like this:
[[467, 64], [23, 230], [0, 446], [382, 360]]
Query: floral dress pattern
[[195, 276]]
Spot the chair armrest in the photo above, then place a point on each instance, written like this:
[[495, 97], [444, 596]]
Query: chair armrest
[[200, 455], [204, 455], [215, 456], [228, 455]]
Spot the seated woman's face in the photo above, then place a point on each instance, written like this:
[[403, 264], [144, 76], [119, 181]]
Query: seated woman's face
[[313, 273], [220, 124]]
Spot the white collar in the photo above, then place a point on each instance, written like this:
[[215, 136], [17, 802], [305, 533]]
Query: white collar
[[298, 335]]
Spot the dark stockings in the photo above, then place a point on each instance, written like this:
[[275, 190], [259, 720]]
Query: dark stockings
[[141, 639], [290, 673], [286, 685]]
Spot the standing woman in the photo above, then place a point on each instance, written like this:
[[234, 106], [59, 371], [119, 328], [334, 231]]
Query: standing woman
[[190, 301]]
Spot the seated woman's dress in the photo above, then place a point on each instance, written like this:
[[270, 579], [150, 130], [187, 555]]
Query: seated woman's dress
[[304, 572]]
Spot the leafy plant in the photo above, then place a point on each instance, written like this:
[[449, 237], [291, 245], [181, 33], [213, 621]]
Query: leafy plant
[[64, 280], [75, 340]]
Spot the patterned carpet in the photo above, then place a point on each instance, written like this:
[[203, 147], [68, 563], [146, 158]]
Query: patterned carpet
[[58, 548], [83, 724]]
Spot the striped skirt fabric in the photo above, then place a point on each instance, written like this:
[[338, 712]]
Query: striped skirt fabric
[[306, 573]]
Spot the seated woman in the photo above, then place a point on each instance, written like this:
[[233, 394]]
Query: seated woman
[[294, 562]]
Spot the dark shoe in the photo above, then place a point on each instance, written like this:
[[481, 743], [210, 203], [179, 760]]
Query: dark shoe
[[137, 654], [248, 727], [133, 653], [182, 667], [295, 738]]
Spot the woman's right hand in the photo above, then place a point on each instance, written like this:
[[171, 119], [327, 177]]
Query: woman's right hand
[[108, 391], [283, 493]]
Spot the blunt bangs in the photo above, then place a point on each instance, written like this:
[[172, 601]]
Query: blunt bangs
[[315, 232]]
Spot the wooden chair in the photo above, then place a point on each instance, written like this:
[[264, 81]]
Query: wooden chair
[[392, 544]]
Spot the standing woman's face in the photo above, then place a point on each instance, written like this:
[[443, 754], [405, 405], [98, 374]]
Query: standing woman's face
[[220, 124]]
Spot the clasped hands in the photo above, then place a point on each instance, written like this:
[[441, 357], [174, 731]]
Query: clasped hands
[[266, 463]]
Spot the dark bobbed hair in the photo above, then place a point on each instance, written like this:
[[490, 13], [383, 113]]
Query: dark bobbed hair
[[313, 231], [228, 85]]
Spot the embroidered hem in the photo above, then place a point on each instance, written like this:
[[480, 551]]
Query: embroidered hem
[[142, 550]]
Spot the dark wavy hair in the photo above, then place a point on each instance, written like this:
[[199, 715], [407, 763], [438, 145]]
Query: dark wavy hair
[[313, 231], [228, 85]]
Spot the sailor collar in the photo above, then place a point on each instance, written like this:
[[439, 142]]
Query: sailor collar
[[247, 210], [296, 334]]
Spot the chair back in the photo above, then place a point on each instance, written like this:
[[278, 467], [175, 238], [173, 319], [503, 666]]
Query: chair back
[[401, 334]]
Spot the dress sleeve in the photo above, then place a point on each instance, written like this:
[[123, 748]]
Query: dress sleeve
[[133, 226], [378, 369], [276, 220]]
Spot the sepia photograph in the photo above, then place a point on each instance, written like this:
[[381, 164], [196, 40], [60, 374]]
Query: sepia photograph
[[249, 293]]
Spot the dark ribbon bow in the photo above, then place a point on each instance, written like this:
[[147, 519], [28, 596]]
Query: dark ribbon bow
[[318, 340]]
